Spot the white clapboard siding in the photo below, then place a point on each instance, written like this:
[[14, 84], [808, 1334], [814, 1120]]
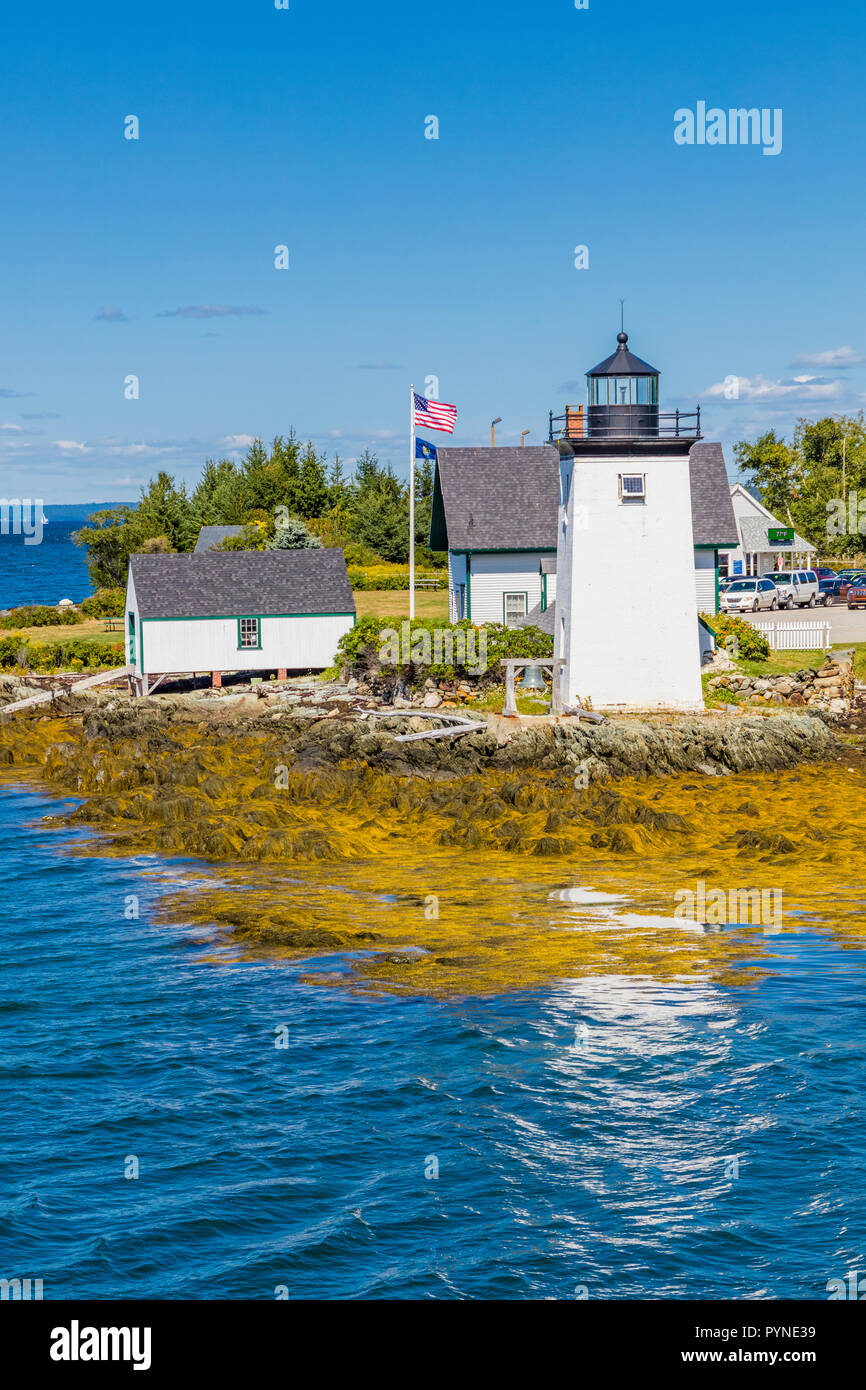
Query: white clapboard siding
[[803, 636], [296, 642], [705, 580], [492, 576]]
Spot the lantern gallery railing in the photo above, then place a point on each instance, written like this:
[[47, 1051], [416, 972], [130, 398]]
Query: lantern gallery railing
[[623, 422]]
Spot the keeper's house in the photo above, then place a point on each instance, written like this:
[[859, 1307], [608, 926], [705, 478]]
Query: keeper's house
[[246, 610], [495, 512]]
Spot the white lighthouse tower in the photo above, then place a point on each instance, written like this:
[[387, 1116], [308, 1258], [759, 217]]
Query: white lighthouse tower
[[626, 620]]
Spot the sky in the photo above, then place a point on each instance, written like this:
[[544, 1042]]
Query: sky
[[412, 258]]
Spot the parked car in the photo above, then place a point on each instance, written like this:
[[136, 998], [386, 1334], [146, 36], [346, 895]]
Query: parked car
[[856, 595], [829, 587], [796, 587], [825, 574], [852, 577], [748, 595]]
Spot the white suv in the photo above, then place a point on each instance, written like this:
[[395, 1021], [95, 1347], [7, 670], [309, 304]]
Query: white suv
[[748, 595], [798, 587]]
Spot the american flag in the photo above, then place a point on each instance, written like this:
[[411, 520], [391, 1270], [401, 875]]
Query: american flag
[[435, 414]]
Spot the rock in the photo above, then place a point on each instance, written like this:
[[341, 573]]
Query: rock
[[66, 603], [432, 700], [429, 684], [353, 685], [838, 706]]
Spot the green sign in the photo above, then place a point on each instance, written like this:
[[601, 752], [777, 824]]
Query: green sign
[[781, 535]]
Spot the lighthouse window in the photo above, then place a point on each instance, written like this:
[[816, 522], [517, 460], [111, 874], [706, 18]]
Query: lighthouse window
[[632, 487]]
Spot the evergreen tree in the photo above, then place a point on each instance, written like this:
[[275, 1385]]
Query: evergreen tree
[[293, 535]]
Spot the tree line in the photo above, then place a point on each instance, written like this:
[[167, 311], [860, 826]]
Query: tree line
[[365, 512], [817, 483]]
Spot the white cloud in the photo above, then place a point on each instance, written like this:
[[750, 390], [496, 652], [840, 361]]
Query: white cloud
[[835, 358], [109, 313], [761, 388], [238, 441], [12, 427], [72, 444]]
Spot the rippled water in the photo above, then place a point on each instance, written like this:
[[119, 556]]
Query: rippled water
[[584, 1133]]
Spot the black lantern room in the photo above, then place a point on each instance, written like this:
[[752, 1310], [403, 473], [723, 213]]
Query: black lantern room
[[623, 396]]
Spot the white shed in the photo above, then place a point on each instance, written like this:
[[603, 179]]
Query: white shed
[[242, 610]]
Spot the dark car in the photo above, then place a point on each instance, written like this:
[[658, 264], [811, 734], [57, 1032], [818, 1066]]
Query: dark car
[[856, 594], [829, 588], [826, 574]]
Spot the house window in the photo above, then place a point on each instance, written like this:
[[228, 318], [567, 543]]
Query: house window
[[566, 486], [132, 639], [515, 606], [249, 633], [632, 487]]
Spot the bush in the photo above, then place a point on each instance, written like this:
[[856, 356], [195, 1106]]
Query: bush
[[72, 654], [40, 615], [738, 637], [396, 649], [105, 603], [391, 577]]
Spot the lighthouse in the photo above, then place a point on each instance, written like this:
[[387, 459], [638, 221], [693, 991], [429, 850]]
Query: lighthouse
[[626, 623]]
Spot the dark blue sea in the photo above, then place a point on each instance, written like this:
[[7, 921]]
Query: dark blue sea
[[700, 1141], [54, 568]]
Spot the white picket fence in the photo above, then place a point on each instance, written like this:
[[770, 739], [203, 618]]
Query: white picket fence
[[802, 635]]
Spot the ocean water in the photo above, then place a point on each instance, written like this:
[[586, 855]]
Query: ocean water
[[55, 568], [618, 1137]]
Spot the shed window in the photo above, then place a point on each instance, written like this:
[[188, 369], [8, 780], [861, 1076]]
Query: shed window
[[249, 634], [632, 487]]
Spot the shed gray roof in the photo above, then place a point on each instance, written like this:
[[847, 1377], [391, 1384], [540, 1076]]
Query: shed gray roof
[[755, 539], [241, 583], [209, 536], [508, 499], [713, 520], [497, 499]]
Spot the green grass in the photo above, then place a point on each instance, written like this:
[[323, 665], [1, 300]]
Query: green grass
[[91, 629], [394, 603]]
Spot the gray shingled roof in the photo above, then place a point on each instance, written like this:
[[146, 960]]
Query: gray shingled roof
[[240, 583], [507, 499], [756, 541], [713, 520], [535, 618], [209, 536], [500, 499]]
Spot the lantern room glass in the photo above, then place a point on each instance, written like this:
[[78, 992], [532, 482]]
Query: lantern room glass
[[623, 390]]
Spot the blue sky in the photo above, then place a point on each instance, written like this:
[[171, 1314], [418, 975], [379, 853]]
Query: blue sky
[[411, 257]]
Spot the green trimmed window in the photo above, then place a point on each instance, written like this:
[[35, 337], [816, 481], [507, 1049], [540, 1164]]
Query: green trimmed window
[[249, 634]]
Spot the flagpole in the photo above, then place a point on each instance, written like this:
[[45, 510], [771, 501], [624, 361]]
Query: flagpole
[[411, 503]]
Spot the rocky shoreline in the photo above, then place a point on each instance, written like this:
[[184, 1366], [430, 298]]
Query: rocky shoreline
[[321, 724]]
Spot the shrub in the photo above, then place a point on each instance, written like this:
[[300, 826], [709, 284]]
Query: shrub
[[396, 649], [739, 638], [105, 603], [75, 654], [40, 615]]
